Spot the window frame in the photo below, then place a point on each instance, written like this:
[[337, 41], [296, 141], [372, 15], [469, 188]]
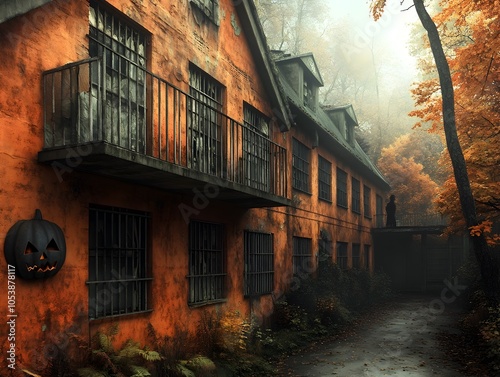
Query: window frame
[[206, 252], [210, 11], [324, 179], [355, 195], [256, 159], [301, 255], [123, 82], [342, 196], [301, 166], [119, 238], [366, 256], [342, 259], [356, 256], [205, 123], [259, 263], [367, 201]]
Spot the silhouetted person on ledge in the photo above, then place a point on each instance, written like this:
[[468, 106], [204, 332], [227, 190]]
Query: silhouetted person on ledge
[[390, 209]]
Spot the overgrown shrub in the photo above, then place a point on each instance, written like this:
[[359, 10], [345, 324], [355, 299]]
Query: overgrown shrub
[[490, 332], [330, 297], [171, 349], [131, 360]]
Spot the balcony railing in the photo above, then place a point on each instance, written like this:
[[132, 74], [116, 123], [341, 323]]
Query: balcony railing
[[130, 108], [412, 220]]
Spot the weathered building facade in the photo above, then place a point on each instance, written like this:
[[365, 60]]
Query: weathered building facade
[[183, 169]]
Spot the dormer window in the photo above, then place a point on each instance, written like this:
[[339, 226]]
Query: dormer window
[[309, 95], [349, 130]]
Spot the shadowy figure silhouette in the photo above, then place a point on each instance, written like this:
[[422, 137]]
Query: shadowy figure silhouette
[[390, 209]]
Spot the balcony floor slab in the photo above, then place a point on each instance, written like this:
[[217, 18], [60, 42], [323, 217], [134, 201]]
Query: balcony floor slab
[[125, 165]]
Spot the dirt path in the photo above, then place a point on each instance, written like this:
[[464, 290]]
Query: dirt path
[[400, 340]]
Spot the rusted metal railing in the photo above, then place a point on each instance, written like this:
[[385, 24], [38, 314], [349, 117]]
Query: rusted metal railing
[[132, 108]]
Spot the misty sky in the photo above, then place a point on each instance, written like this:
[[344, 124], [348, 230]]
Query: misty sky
[[390, 34]]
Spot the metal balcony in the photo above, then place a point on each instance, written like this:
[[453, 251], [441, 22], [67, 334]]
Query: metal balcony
[[130, 124]]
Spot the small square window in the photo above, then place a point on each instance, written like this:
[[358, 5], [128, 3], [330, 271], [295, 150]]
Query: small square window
[[210, 8]]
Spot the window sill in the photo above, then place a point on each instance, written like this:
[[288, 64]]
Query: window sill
[[302, 191], [114, 316], [254, 295], [195, 305]]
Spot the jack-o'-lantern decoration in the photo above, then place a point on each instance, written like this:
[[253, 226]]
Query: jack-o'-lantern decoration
[[35, 247]]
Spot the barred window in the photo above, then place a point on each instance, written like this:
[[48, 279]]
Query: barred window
[[324, 179], [123, 47], [301, 156], [367, 193], [367, 257], [256, 149], [205, 119], [325, 248], [342, 255], [119, 271], [356, 195], [259, 263], [356, 255], [302, 256], [207, 264], [341, 188], [210, 9]]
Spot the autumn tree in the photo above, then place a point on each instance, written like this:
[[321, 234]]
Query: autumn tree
[[414, 189], [487, 262]]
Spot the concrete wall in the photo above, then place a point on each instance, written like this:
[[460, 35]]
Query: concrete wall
[[418, 261]]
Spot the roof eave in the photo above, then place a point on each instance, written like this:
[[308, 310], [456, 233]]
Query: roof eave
[[265, 65]]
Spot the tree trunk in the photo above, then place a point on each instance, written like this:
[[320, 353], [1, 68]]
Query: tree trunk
[[487, 262]]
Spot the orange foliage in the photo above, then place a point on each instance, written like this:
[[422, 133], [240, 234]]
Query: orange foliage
[[414, 189], [471, 31]]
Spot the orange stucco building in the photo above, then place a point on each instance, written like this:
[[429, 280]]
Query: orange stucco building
[[187, 167]]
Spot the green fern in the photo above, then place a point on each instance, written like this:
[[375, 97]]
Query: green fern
[[130, 349], [139, 371], [105, 343], [150, 355]]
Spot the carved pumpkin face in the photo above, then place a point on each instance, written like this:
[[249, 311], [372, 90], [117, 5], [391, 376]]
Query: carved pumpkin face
[[35, 247]]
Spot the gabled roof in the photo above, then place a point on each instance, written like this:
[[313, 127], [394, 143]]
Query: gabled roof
[[11, 9], [347, 109], [307, 61], [255, 35], [331, 137]]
